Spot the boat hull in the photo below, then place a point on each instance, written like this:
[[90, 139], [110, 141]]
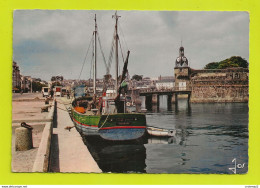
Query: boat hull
[[120, 134], [118, 127], [122, 126], [160, 132], [86, 123]]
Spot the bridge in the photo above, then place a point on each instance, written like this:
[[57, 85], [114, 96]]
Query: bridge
[[174, 90], [152, 95]]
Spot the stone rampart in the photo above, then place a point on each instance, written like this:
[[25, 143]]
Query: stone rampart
[[220, 85]]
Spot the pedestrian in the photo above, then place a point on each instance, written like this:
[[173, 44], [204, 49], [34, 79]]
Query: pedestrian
[[68, 94], [52, 93]]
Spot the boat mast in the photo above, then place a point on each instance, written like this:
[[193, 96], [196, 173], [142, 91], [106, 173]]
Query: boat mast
[[95, 57], [116, 51]]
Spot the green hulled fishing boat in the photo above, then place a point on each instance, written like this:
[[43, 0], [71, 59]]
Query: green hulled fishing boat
[[107, 115]]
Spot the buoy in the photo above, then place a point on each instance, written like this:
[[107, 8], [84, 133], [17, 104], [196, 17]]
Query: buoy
[[80, 109]]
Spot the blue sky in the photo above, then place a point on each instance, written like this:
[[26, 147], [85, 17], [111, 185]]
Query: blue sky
[[54, 42]]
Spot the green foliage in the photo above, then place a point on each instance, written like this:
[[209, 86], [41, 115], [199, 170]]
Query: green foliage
[[227, 64], [234, 61], [55, 84], [213, 65], [57, 78], [37, 86]]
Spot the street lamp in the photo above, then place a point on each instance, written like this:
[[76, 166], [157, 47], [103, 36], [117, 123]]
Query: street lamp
[[31, 85]]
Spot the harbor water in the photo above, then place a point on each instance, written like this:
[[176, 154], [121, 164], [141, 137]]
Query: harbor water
[[210, 138]]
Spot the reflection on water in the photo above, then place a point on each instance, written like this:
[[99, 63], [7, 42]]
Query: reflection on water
[[208, 137], [121, 156], [117, 157]]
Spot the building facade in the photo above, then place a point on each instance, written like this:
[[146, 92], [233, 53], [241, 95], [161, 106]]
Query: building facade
[[26, 83], [16, 82]]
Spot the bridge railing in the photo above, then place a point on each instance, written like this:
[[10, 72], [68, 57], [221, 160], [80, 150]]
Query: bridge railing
[[182, 88], [149, 90]]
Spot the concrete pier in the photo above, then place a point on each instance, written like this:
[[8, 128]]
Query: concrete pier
[[27, 108], [68, 152], [54, 148]]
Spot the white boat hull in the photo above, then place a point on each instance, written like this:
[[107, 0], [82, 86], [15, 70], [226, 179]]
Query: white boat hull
[[160, 132]]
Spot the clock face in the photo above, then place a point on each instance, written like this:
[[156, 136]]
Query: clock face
[[178, 59]]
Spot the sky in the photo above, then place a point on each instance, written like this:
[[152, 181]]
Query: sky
[[48, 43]]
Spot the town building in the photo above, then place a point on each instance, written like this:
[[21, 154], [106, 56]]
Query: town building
[[26, 83], [16, 77], [164, 84]]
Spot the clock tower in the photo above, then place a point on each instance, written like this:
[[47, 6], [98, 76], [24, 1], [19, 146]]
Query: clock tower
[[182, 72]]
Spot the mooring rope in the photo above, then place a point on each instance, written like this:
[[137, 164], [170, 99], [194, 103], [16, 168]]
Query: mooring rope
[[104, 121]]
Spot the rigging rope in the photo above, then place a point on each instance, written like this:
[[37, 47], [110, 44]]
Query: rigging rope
[[121, 30], [104, 121], [100, 46], [121, 50], [111, 54], [91, 41], [91, 64]]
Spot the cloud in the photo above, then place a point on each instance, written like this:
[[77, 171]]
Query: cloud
[[54, 42]]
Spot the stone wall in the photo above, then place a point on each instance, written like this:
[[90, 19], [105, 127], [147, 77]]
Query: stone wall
[[220, 85]]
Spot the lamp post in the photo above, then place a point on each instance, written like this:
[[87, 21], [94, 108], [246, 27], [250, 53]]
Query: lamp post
[[31, 84]]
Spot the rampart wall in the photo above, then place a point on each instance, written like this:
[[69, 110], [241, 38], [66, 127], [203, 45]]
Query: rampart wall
[[219, 85]]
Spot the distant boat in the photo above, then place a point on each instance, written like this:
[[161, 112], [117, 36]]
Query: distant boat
[[107, 114], [154, 131], [143, 110]]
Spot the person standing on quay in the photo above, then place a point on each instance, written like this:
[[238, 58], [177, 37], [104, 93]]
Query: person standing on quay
[[52, 93], [68, 94]]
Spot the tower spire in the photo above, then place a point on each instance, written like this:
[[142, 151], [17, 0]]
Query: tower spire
[[181, 61]]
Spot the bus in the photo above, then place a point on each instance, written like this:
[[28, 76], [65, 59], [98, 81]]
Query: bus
[[45, 91], [57, 91]]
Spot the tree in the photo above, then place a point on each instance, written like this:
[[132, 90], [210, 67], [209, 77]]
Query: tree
[[213, 65], [137, 77], [107, 77], [239, 61], [234, 61], [57, 78], [227, 64], [55, 84], [37, 86]]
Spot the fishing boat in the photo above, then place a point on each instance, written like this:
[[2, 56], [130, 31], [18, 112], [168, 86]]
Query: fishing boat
[[107, 115]]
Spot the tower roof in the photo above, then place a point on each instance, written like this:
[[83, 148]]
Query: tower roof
[[181, 61]]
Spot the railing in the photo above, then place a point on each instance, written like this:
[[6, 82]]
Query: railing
[[149, 90]]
